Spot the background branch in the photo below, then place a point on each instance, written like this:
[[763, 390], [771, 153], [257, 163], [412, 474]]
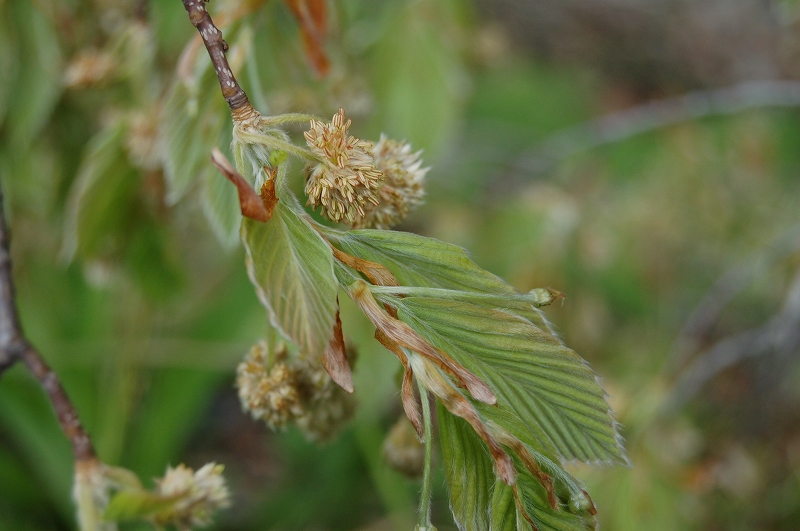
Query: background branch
[[621, 125], [780, 335], [14, 347], [699, 327]]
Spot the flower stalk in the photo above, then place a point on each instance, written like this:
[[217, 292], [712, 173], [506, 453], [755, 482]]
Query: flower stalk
[[425, 495]]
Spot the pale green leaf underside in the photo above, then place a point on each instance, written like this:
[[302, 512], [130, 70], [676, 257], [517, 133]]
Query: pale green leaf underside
[[548, 387], [420, 261], [427, 262], [479, 501], [292, 269], [221, 206]]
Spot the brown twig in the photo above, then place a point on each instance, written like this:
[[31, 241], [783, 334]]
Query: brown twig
[[216, 46], [15, 347]]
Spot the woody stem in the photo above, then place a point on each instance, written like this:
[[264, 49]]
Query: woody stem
[[216, 47], [14, 346]]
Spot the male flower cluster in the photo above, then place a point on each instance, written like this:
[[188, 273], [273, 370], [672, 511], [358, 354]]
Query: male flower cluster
[[197, 495], [365, 185], [345, 180]]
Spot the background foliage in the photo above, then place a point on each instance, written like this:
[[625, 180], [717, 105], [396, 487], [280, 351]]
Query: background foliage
[[144, 308]]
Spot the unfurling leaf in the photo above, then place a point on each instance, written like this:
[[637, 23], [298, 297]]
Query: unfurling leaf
[[291, 267], [249, 201], [404, 336], [334, 359], [480, 502]]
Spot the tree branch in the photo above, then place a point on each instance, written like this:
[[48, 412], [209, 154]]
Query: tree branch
[[216, 46], [15, 347], [699, 327], [12, 343]]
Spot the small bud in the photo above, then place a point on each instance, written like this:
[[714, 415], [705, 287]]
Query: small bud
[[401, 191], [197, 495], [277, 157], [402, 449], [544, 296], [345, 181]]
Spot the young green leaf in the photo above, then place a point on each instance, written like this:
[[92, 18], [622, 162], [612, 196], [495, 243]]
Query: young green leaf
[[469, 473], [482, 502], [37, 86], [426, 262], [549, 388], [291, 267]]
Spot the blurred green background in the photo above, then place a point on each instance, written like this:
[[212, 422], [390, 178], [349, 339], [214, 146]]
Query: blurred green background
[[641, 157]]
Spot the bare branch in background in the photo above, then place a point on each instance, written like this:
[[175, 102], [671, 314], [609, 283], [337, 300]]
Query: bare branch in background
[[15, 347], [12, 344], [700, 324], [619, 126], [780, 335]]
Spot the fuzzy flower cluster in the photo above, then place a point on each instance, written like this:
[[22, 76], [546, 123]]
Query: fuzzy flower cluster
[[402, 188], [365, 185], [279, 391], [345, 181], [198, 495]]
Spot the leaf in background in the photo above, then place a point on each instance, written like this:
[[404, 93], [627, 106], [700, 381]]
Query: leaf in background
[[312, 17], [548, 387], [194, 121], [291, 267], [9, 57], [480, 502], [419, 73], [102, 196], [37, 87], [152, 262], [427, 262]]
